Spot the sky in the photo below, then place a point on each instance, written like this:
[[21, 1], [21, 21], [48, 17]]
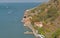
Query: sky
[[23, 1]]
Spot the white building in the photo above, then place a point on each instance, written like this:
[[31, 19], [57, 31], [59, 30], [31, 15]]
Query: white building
[[39, 24]]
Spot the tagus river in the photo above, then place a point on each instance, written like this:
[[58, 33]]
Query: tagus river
[[11, 15]]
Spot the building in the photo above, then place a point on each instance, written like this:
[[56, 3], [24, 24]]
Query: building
[[39, 24]]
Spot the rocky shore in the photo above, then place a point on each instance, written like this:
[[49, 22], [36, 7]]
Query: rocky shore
[[27, 22]]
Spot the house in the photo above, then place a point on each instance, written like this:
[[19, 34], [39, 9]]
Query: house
[[39, 24]]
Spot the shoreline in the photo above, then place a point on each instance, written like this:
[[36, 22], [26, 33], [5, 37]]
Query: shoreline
[[27, 23], [35, 32]]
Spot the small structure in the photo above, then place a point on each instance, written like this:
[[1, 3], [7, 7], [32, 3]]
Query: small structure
[[39, 24], [27, 32], [27, 10], [40, 36]]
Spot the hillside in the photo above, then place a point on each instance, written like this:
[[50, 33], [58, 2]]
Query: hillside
[[49, 14]]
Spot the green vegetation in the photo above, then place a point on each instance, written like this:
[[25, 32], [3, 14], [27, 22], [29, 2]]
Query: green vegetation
[[41, 31], [56, 34], [48, 13]]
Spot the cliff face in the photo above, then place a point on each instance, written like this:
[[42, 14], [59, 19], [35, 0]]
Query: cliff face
[[49, 15]]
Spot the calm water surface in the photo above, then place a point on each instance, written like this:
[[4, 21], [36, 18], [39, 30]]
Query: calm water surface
[[11, 15]]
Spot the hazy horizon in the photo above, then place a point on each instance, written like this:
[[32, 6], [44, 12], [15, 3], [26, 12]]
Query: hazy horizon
[[22, 1]]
